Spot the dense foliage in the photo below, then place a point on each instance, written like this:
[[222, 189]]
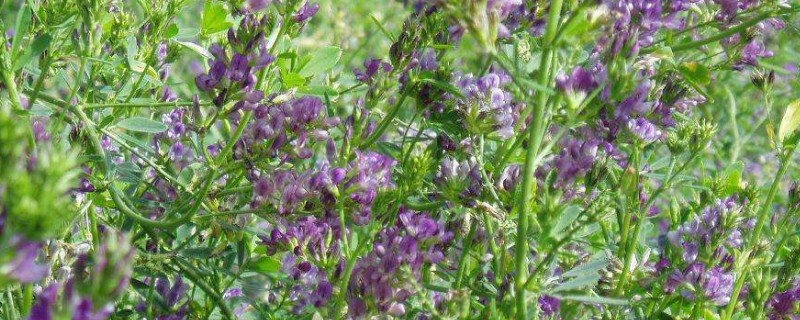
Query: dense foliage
[[422, 159]]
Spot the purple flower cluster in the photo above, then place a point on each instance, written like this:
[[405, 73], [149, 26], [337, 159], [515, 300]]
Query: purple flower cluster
[[306, 237], [385, 276], [549, 305], [502, 10], [306, 12], [283, 189], [235, 77], [636, 22], [96, 279], [486, 107], [581, 80], [368, 174], [18, 255], [305, 244], [717, 227], [372, 67], [715, 284], [362, 179], [754, 50], [783, 305], [171, 294], [18, 262], [576, 159], [459, 180], [287, 130]]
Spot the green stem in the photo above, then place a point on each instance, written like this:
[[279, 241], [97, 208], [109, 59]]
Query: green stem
[[190, 272], [11, 311], [763, 215], [535, 134], [462, 262], [345, 281], [144, 105], [724, 34], [27, 299], [385, 122], [11, 86], [40, 81], [116, 194]]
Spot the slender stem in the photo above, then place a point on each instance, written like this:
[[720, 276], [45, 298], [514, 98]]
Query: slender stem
[[27, 299], [190, 272], [385, 122], [763, 215], [40, 81], [724, 34], [145, 105], [11, 86], [463, 261], [11, 311], [345, 281], [734, 125], [535, 132], [117, 195]]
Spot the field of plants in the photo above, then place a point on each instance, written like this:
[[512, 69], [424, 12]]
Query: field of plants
[[408, 159]]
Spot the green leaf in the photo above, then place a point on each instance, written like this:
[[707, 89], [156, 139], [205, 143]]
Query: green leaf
[[198, 253], [215, 18], [23, 23], [319, 91], [292, 80], [587, 268], [196, 48], [445, 86], [130, 50], [37, 47], [577, 283], [141, 124], [696, 73], [172, 30], [187, 175], [321, 60], [790, 121], [265, 265], [733, 177], [594, 299], [565, 219]]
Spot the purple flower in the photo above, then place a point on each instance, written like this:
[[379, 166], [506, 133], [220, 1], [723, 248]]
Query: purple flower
[[258, 5], [371, 68], [636, 103], [322, 294], [205, 83], [417, 239], [751, 53], [782, 304], [460, 179], [306, 12], [580, 81], [357, 308], [549, 305], [576, 159], [718, 286], [239, 67], [23, 266], [644, 129], [707, 227], [486, 105]]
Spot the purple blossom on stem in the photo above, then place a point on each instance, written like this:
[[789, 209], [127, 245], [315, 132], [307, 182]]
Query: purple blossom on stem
[[307, 11]]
